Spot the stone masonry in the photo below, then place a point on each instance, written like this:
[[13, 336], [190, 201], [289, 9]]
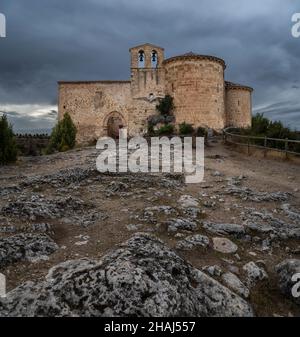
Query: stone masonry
[[196, 82]]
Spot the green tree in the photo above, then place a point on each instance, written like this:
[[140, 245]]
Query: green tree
[[8, 145], [63, 136], [260, 124], [166, 105]]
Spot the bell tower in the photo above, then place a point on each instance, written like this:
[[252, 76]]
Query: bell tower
[[147, 72]]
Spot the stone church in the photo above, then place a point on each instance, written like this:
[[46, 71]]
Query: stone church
[[196, 82]]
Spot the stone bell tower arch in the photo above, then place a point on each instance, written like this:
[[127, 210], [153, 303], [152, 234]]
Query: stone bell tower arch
[[147, 72]]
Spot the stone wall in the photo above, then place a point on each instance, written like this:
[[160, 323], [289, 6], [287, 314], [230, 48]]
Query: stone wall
[[146, 82], [197, 85], [238, 106], [91, 103], [140, 111]]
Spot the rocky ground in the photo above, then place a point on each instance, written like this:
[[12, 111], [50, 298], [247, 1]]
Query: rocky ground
[[75, 242]]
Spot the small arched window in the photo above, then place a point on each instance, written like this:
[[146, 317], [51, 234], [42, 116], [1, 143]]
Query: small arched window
[[141, 59], [154, 59]]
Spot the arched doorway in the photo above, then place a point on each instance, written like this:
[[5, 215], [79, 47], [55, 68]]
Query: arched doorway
[[113, 123]]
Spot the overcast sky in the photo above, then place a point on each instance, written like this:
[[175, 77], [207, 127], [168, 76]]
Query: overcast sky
[[54, 40]]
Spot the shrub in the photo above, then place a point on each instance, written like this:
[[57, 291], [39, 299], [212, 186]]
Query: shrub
[[186, 129], [8, 145], [166, 105], [150, 129], [166, 130], [63, 136], [201, 132]]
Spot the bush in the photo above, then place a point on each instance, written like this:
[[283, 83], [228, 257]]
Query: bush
[[186, 129], [8, 145], [150, 129], [166, 105], [201, 132], [63, 136], [166, 130]]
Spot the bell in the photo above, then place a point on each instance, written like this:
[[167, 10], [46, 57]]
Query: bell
[[141, 57]]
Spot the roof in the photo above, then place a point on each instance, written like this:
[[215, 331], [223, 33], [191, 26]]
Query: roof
[[231, 85], [146, 44], [192, 55], [87, 82]]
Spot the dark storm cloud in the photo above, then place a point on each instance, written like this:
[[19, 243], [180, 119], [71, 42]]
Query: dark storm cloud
[[56, 40]]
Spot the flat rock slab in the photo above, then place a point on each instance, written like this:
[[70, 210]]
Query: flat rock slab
[[235, 284], [254, 274], [225, 229], [291, 213], [175, 225], [188, 201], [144, 277], [224, 245], [30, 247], [246, 193], [192, 242]]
